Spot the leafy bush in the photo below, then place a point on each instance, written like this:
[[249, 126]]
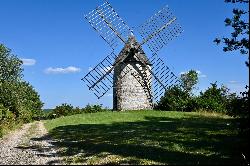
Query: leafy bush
[[10, 66], [7, 119], [189, 80], [93, 108], [238, 106], [21, 99], [180, 98], [3, 112], [78, 110], [213, 99], [63, 110], [19, 102], [174, 99], [67, 109], [192, 104]]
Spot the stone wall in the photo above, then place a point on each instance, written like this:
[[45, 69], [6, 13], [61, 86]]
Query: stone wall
[[132, 87]]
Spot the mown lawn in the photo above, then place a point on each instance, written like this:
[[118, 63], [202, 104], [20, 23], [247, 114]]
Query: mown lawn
[[147, 137]]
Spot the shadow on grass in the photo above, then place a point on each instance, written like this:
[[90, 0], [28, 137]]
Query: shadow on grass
[[164, 140]]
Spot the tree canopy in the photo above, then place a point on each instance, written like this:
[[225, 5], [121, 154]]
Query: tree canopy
[[239, 38], [189, 80], [19, 102], [10, 66]]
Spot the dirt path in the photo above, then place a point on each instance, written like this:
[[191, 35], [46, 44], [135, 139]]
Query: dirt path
[[29, 145]]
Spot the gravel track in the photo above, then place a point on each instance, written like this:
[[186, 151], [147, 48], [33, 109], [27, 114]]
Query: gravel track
[[29, 145]]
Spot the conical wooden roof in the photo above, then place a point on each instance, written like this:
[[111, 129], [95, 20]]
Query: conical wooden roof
[[132, 47]]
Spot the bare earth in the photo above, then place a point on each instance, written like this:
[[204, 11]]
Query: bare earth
[[29, 145]]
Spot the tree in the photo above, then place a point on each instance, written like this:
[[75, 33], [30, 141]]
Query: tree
[[10, 66], [174, 99], [17, 97], [63, 110], [239, 39], [189, 80], [216, 98]]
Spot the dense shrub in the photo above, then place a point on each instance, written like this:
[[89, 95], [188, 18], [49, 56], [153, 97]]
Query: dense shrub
[[189, 80], [10, 66], [3, 114], [63, 110], [7, 119], [238, 106], [174, 99], [93, 108], [67, 109], [21, 99], [192, 104], [213, 99], [19, 102]]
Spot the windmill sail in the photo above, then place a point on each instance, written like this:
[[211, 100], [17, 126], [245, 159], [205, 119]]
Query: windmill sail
[[99, 80], [159, 29], [163, 77], [109, 25]]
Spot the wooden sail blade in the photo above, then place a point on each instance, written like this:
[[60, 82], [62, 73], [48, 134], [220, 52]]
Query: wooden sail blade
[[160, 29], [109, 25]]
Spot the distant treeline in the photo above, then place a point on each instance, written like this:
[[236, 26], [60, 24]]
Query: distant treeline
[[67, 109]]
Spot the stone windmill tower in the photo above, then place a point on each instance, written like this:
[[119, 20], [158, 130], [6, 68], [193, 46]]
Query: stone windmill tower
[[132, 91], [137, 81]]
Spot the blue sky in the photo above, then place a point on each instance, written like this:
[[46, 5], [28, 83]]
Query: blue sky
[[60, 46]]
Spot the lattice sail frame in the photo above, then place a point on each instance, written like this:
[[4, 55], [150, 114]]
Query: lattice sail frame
[[165, 75], [109, 25], [103, 86], [156, 33], [160, 29]]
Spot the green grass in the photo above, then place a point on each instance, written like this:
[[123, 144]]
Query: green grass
[[147, 137]]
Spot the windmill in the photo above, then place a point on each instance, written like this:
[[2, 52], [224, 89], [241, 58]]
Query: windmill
[[138, 80]]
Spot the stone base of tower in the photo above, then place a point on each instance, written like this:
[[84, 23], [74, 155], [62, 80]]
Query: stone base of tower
[[129, 93]]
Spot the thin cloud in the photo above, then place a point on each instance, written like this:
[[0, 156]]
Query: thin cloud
[[28, 62], [198, 71], [90, 68], [109, 95], [183, 72], [202, 76], [233, 82], [67, 70]]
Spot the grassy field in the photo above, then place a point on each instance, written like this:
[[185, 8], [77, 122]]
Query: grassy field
[[147, 137]]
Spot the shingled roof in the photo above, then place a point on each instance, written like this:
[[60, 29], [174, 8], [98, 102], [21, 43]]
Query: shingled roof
[[129, 49]]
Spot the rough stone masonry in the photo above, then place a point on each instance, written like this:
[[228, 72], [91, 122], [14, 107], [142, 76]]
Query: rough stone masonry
[[132, 80]]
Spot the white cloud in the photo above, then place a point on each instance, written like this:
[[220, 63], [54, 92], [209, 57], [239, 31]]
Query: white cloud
[[233, 82], [183, 72], [70, 69], [202, 75], [90, 68], [28, 62], [197, 71], [109, 95]]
